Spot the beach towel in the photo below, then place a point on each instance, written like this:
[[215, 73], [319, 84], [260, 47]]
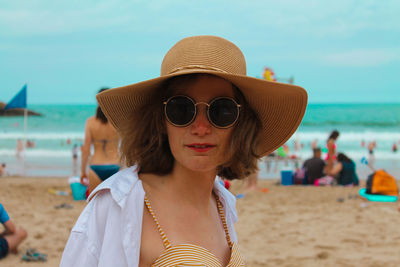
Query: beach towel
[[326, 180], [382, 183]]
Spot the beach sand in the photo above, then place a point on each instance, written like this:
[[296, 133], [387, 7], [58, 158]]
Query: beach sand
[[287, 226]]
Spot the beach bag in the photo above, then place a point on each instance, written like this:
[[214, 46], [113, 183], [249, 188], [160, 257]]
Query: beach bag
[[382, 183]]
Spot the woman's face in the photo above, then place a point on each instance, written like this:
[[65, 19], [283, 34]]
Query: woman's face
[[200, 146]]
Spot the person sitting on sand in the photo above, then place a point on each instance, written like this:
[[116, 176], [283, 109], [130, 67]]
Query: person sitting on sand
[[314, 167], [344, 171], [12, 236], [105, 160], [203, 118]]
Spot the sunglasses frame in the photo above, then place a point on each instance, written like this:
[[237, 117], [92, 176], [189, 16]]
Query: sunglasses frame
[[238, 106]]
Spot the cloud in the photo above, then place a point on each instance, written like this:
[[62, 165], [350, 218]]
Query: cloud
[[47, 18], [297, 17], [362, 57]]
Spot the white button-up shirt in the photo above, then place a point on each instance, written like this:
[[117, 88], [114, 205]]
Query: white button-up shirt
[[108, 231]]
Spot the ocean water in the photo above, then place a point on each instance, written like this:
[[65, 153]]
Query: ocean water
[[62, 126]]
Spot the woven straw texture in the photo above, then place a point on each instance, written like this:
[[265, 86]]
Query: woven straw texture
[[279, 106]]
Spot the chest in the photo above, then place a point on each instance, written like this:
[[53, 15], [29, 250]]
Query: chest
[[178, 229]]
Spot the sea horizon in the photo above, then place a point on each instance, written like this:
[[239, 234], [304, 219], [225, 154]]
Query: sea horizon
[[62, 126]]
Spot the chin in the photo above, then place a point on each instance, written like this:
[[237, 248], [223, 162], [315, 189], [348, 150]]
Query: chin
[[201, 166]]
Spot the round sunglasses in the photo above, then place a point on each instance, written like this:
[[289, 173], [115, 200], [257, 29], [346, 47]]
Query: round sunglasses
[[222, 112]]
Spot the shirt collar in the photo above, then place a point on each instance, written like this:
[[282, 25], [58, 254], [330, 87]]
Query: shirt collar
[[228, 200], [119, 185]]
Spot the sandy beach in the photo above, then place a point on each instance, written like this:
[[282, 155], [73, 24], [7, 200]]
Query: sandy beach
[[286, 226]]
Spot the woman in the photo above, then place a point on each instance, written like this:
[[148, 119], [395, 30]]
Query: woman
[[105, 160], [345, 171], [331, 146], [202, 118]]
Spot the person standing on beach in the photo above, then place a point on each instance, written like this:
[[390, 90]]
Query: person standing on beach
[[19, 149], [75, 150], [3, 170], [105, 160], [12, 236], [252, 182], [371, 156], [332, 150], [202, 119], [394, 147]]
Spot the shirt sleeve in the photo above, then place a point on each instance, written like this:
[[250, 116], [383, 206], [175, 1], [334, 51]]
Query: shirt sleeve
[[78, 252], [84, 243], [3, 215]]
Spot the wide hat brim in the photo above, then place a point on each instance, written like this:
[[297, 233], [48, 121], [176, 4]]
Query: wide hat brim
[[280, 107]]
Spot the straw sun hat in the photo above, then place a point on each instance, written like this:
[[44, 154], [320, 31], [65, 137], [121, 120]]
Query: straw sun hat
[[280, 107]]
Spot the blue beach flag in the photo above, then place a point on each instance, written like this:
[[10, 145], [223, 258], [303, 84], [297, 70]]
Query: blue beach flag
[[19, 100]]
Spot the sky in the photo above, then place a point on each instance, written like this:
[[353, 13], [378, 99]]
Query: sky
[[342, 51]]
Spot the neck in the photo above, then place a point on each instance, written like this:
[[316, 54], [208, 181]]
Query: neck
[[192, 187]]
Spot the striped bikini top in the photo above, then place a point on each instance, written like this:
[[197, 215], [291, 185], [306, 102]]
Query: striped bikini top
[[193, 255]]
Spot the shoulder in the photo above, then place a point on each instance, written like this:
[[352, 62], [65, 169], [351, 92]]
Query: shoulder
[[3, 214], [2, 209], [119, 185], [91, 121], [111, 220], [110, 195]]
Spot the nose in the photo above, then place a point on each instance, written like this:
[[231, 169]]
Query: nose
[[201, 126]]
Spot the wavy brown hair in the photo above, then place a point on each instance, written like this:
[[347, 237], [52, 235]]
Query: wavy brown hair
[[145, 141]]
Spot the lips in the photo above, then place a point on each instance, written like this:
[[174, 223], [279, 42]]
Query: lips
[[201, 147]]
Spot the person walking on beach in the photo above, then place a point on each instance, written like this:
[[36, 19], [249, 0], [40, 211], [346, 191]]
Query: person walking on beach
[[105, 160], [203, 118], [12, 236]]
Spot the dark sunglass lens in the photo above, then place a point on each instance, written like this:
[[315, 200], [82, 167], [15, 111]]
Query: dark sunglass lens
[[223, 112], [180, 110]]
